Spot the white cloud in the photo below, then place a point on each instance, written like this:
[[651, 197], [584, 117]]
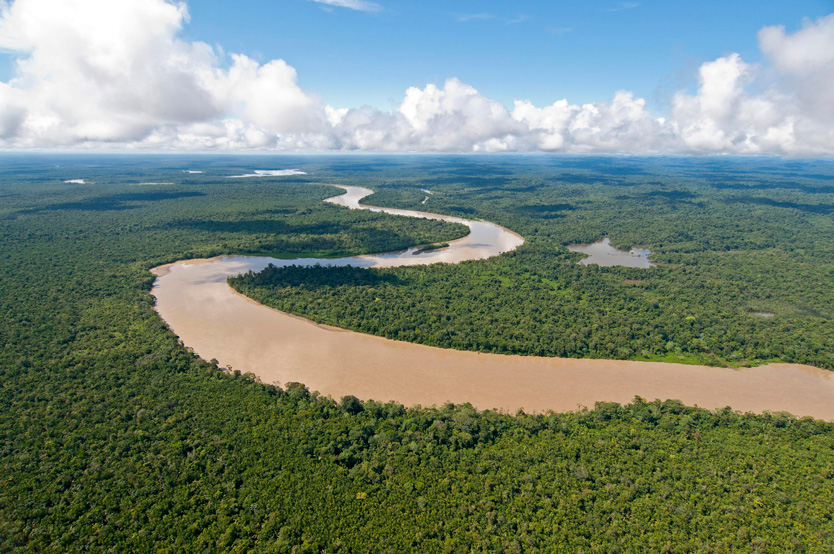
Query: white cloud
[[102, 70], [621, 125], [454, 117], [359, 5], [559, 30], [268, 94], [12, 111], [792, 115], [624, 6], [804, 63], [98, 73], [464, 17]]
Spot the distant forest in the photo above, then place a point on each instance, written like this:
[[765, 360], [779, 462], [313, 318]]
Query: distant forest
[[116, 437], [745, 268]]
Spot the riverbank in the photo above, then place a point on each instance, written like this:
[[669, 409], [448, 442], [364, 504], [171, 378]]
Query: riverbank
[[197, 303]]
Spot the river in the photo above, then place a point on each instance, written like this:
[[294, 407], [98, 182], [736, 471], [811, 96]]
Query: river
[[195, 300]]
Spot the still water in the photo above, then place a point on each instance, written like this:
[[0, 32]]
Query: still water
[[602, 253]]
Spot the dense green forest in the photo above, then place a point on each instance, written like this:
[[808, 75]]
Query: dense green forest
[[732, 242], [115, 437]]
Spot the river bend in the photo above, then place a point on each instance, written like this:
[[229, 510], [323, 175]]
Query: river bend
[[193, 297]]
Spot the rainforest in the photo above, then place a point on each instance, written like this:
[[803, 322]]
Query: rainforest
[[114, 435]]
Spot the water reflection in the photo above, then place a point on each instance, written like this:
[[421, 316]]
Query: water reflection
[[603, 254]]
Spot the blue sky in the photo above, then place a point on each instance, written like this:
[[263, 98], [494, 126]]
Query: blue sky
[[540, 51], [599, 76]]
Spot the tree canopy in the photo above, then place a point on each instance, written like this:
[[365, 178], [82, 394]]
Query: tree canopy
[[114, 436]]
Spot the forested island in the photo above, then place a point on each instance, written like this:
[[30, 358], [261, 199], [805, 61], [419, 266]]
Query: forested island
[[730, 247], [116, 436]]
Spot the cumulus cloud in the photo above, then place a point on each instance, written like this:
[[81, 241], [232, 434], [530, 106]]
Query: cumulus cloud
[[723, 117], [804, 63], [621, 125], [98, 74], [98, 71], [792, 114], [455, 117], [268, 94]]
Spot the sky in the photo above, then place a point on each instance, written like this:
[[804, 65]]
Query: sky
[[597, 76], [540, 51]]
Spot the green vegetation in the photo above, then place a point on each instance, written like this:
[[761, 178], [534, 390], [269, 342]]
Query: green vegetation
[[731, 239], [113, 436]]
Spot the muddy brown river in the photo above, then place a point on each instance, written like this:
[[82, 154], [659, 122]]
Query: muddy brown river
[[209, 316]]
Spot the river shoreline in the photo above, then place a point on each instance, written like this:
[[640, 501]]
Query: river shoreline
[[195, 300]]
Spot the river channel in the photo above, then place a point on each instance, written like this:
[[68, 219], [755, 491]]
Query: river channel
[[193, 297]]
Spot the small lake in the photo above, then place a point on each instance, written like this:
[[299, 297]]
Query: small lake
[[603, 254]]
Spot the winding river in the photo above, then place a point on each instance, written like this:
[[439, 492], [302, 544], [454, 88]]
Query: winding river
[[195, 300]]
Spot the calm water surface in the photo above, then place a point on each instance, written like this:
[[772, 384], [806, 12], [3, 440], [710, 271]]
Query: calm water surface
[[195, 300], [602, 253]]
